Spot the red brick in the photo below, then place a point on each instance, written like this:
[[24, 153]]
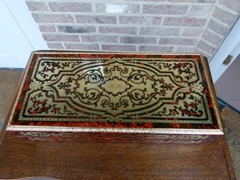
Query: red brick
[[225, 16], [53, 18], [138, 40], [186, 22], [55, 45], [142, 20], [156, 20], [178, 41], [47, 28], [164, 9], [149, 0], [64, 38], [231, 4], [202, 10], [118, 30], [119, 48], [81, 46], [96, 19], [184, 49], [192, 32], [155, 48], [194, 1], [70, 7], [212, 38], [37, 6], [117, 8], [159, 31], [76, 29], [99, 38], [206, 47], [219, 28]]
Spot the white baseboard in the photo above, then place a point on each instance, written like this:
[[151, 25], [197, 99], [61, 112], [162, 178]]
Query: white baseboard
[[14, 60]]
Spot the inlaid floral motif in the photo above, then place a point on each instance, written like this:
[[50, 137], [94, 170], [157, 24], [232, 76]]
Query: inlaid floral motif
[[168, 90]]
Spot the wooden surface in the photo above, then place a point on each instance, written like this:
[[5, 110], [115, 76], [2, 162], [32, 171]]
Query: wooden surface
[[88, 160], [94, 160]]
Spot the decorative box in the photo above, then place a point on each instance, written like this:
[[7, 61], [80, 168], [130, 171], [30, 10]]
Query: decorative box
[[117, 97]]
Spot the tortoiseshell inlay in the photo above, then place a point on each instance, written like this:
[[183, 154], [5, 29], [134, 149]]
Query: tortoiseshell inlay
[[116, 90], [128, 89]]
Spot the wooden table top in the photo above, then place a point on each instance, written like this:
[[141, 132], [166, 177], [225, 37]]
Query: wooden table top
[[91, 160]]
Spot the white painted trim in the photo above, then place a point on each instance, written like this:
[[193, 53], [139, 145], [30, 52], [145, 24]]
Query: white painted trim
[[29, 27], [14, 59], [30, 37], [229, 44], [235, 52]]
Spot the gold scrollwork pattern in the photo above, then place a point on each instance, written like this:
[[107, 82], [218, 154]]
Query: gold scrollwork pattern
[[112, 89]]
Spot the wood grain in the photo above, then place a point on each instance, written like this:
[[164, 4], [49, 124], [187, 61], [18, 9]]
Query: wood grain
[[94, 160], [88, 160]]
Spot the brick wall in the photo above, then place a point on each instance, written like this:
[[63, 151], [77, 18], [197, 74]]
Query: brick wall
[[136, 25]]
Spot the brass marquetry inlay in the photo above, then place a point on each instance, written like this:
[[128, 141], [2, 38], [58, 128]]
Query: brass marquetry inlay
[[113, 89]]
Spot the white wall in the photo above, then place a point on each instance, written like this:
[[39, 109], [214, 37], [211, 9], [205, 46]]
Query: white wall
[[19, 34], [230, 46]]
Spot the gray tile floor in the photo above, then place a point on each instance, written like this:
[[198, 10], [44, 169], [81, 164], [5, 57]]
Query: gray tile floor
[[228, 85]]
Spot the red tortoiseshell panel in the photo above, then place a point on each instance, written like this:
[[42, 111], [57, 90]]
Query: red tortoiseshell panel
[[116, 90]]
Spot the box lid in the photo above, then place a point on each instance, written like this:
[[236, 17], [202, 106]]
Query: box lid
[[116, 92]]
